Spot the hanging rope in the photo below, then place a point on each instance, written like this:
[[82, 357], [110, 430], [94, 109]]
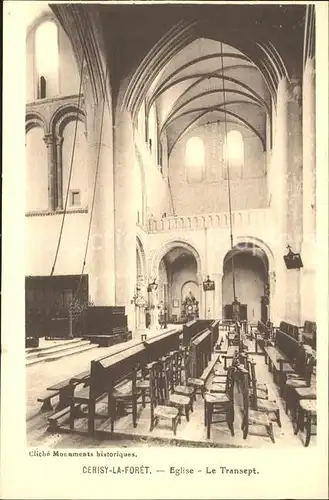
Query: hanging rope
[[95, 184], [71, 169], [171, 197], [227, 161]]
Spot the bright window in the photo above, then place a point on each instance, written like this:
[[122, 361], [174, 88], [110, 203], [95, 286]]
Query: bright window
[[46, 55], [195, 159], [234, 148]]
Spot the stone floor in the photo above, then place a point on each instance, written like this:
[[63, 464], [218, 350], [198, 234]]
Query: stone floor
[[189, 434]]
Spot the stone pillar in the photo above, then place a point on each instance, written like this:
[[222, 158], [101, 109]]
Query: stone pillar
[[49, 140], [294, 202], [141, 303], [272, 314], [308, 274], [279, 166], [202, 298], [59, 172], [125, 224], [100, 256], [309, 152], [218, 296]]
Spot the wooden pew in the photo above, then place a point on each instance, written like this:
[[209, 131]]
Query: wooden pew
[[108, 371], [200, 353], [64, 388], [193, 328], [263, 335], [287, 355], [308, 332], [214, 327]]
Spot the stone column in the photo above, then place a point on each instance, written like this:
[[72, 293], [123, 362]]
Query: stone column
[[202, 299], [100, 256], [125, 224], [141, 303], [308, 274], [59, 172], [279, 165], [294, 202], [272, 307], [218, 296], [49, 140]]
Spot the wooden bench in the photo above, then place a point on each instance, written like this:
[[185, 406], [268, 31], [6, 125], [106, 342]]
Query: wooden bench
[[262, 336], [278, 364], [46, 400], [200, 354], [107, 372], [65, 388], [194, 328], [308, 332], [229, 355]]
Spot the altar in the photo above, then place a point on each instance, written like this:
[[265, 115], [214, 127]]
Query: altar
[[190, 308]]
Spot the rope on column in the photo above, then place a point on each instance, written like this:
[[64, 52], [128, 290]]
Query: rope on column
[[95, 182], [71, 168], [227, 161]]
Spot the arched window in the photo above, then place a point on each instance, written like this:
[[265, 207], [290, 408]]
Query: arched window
[[46, 57], [195, 159], [234, 154]]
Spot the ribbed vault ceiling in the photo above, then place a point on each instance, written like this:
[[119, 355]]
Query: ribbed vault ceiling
[[209, 81]]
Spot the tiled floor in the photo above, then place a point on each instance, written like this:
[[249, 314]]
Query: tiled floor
[[192, 433]]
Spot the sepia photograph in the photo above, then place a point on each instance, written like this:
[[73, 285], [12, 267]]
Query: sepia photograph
[[170, 234]]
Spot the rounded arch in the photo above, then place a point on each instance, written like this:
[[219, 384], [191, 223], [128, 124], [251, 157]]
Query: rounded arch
[[63, 115], [43, 17], [35, 119], [169, 245], [257, 242], [187, 284]]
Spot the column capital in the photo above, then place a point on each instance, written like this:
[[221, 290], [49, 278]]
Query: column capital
[[48, 139], [59, 140], [295, 91]]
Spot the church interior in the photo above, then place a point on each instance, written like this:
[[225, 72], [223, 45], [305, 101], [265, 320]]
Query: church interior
[[170, 219]]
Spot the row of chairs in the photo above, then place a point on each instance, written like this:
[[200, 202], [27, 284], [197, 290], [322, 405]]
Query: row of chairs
[[240, 378], [300, 397], [165, 385]]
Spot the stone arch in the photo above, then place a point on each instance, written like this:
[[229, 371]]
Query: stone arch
[[63, 115], [40, 19], [169, 245], [35, 119], [267, 276], [262, 245]]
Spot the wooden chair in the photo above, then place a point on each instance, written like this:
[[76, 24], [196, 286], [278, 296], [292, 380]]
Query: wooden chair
[[220, 404], [259, 396], [159, 410], [297, 381], [143, 383], [250, 416], [306, 417], [192, 382], [124, 398], [184, 402]]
